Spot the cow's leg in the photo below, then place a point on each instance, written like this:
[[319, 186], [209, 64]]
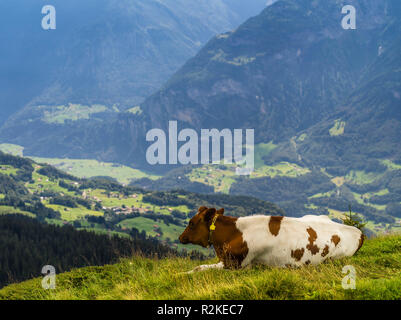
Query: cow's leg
[[204, 267]]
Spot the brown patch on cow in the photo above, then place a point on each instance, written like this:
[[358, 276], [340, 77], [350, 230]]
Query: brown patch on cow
[[325, 251], [307, 262], [274, 225], [297, 254], [335, 239], [312, 247], [361, 239], [228, 242]]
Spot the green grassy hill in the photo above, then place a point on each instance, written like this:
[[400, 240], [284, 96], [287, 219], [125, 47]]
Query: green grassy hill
[[377, 265]]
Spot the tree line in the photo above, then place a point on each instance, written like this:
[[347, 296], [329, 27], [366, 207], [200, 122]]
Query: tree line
[[27, 245]]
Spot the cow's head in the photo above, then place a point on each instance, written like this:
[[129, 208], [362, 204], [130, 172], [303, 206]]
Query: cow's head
[[197, 231]]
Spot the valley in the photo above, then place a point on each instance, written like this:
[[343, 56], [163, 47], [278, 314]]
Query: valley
[[106, 206], [322, 193]]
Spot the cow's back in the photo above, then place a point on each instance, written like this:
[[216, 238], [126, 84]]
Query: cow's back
[[279, 241]]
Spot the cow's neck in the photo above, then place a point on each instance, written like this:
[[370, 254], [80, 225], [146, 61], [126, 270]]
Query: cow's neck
[[225, 232]]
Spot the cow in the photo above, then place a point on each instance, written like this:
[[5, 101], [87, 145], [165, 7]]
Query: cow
[[271, 240]]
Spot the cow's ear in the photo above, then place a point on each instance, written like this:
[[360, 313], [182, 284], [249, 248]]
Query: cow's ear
[[221, 211], [209, 214], [203, 208]]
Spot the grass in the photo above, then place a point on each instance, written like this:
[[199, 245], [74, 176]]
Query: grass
[[338, 181], [338, 128], [221, 56], [391, 165], [141, 223], [282, 169], [381, 192], [336, 213], [12, 149], [73, 112], [85, 168], [135, 110], [44, 183], [302, 137], [172, 231], [377, 228], [12, 210], [116, 200], [377, 267], [222, 179], [360, 199], [322, 194], [8, 170], [361, 177], [213, 175], [263, 150], [103, 231], [72, 214]]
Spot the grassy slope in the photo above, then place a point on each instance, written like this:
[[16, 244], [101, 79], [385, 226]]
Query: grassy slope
[[12, 149], [12, 210], [43, 183], [73, 112], [377, 264], [84, 168]]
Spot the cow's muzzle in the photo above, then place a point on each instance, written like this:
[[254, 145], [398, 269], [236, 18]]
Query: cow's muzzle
[[183, 239]]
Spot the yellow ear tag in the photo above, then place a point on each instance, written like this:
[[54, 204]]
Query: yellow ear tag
[[212, 226]]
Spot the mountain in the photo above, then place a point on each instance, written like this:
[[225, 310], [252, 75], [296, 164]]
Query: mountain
[[324, 103], [328, 98], [369, 118], [112, 52], [279, 73]]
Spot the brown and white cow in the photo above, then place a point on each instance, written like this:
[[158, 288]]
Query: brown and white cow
[[271, 240]]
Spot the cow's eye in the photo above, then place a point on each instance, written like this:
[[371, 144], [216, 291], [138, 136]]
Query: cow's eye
[[191, 224]]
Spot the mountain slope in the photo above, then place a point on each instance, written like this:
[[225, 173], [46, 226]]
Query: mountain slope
[[366, 127], [280, 72], [371, 115], [104, 51]]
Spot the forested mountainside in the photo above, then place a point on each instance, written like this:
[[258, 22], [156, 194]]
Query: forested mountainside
[[104, 52], [26, 246]]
